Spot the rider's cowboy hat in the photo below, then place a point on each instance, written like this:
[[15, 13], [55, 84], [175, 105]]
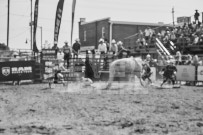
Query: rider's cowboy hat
[[113, 41], [119, 43], [101, 40]]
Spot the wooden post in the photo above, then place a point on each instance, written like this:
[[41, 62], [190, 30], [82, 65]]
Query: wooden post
[[8, 17]]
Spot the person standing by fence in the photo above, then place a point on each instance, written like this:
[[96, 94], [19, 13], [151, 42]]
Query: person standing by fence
[[76, 48], [102, 47], [113, 47], [196, 17], [67, 53], [121, 50], [178, 58]]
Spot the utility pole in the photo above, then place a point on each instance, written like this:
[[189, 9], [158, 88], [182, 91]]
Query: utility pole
[[173, 16], [31, 27], [8, 23]]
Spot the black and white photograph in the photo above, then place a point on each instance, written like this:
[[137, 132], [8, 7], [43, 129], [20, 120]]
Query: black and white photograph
[[101, 67]]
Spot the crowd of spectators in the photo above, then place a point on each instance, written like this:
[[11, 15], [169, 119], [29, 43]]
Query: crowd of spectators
[[185, 35], [115, 48], [182, 36]]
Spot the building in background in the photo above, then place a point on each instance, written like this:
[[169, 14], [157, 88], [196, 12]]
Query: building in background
[[91, 32], [183, 20]]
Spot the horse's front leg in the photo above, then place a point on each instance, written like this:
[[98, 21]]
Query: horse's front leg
[[139, 76], [132, 77]]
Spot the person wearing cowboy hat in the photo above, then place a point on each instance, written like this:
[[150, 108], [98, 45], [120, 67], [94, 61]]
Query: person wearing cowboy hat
[[148, 59], [114, 47], [169, 73], [14, 56], [178, 58], [67, 53], [121, 49], [196, 17], [102, 46], [76, 48]]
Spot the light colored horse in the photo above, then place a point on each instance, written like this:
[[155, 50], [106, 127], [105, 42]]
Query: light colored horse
[[129, 66]]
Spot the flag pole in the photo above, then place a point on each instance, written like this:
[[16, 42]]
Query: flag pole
[[8, 23], [31, 27], [72, 25]]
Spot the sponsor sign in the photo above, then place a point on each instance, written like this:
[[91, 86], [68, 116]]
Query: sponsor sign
[[185, 73], [49, 54], [84, 48], [73, 76], [48, 60], [16, 70]]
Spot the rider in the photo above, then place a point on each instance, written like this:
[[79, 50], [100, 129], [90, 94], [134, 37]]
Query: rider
[[169, 73], [147, 72], [58, 76], [148, 59]]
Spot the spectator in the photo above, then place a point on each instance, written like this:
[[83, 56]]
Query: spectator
[[102, 47], [114, 47], [195, 60], [76, 48], [196, 16], [181, 42], [107, 44], [196, 40], [67, 53], [141, 42], [178, 58], [148, 59], [166, 39], [188, 60], [159, 36], [147, 34], [55, 47], [153, 39], [121, 49], [172, 36], [140, 34]]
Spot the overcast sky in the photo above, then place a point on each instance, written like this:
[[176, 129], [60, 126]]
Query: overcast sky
[[153, 11]]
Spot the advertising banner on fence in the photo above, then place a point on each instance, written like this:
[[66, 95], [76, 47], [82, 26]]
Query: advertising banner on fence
[[49, 54], [200, 73], [16, 70], [185, 73]]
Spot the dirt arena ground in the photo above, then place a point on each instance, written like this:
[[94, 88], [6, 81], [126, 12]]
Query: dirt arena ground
[[76, 110]]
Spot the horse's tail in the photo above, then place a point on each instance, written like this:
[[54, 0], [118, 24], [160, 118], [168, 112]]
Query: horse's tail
[[112, 70]]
